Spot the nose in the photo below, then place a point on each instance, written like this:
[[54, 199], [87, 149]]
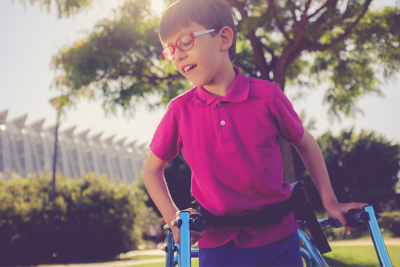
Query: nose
[[179, 55]]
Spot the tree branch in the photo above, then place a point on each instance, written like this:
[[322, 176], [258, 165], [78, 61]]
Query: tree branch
[[318, 10], [278, 23], [329, 4], [152, 79], [271, 51], [292, 11], [292, 57], [320, 47], [255, 43], [304, 18]]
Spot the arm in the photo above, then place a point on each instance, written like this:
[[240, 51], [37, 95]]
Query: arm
[[312, 158], [153, 177]]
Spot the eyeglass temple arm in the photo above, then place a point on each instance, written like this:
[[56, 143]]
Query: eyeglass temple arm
[[204, 32]]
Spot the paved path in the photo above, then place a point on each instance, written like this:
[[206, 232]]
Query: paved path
[[125, 263]]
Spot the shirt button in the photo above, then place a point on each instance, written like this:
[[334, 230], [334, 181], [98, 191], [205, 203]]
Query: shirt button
[[219, 105], [222, 123]]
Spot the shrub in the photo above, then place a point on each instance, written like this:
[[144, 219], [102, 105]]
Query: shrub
[[362, 168], [391, 222], [92, 219]]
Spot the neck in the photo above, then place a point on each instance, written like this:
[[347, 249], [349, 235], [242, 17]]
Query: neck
[[222, 82]]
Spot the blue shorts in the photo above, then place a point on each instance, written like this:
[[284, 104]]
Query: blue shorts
[[285, 252]]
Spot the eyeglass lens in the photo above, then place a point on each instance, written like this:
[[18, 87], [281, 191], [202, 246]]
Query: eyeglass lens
[[183, 44]]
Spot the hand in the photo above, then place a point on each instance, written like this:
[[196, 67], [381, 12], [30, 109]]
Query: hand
[[194, 236], [337, 211]]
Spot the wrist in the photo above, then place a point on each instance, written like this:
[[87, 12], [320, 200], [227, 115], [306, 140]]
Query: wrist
[[330, 202], [171, 216]]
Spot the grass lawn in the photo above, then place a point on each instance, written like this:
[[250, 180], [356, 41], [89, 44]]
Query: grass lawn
[[363, 256], [360, 256]]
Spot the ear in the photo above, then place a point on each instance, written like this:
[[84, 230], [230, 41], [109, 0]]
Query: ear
[[226, 38]]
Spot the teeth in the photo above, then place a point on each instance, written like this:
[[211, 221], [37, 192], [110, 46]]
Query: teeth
[[187, 68]]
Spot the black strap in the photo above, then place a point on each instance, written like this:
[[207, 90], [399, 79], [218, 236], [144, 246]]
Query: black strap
[[313, 226], [298, 201], [268, 216]]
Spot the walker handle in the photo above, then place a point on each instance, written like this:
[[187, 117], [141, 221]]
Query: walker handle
[[354, 218], [196, 223]]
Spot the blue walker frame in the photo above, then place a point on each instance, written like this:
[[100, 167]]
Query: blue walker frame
[[310, 254]]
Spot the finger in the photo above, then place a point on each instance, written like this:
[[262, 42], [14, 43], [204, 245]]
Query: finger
[[355, 205], [342, 220], [192, 211], [174, 223], [362, 205]]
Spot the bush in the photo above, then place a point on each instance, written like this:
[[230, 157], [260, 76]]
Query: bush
[[362, 168], [92, 219], [391, 222]]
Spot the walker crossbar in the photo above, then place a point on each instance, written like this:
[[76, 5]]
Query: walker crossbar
[[309, 252]]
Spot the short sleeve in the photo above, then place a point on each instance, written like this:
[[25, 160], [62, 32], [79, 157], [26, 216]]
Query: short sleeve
[[289, 124], [165, 143]]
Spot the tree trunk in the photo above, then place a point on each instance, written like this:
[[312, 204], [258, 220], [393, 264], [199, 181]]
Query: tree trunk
[[287, 159], [286, 152]]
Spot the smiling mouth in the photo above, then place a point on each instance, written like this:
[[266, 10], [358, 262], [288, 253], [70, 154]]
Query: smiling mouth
[[187, 68]]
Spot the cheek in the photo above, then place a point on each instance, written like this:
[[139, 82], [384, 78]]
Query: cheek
[[177, 67]]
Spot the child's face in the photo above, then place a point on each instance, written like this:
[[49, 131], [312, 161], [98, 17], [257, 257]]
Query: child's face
[[205, 55]]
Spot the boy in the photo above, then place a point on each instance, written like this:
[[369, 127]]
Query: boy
[[228, 128]]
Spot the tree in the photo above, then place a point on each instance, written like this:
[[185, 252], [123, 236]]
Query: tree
[[362, 168], [289, 42], [65, 8]]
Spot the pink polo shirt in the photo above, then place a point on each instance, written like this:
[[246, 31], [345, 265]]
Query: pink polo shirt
[[231, 144]]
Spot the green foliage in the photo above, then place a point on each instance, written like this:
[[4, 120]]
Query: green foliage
[[391, 221], [92, 219], [354, 66], [361, 168], [122, 59], [65, 8], [349, 45]]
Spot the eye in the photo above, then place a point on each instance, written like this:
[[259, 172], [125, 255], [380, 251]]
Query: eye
[[185, 41]]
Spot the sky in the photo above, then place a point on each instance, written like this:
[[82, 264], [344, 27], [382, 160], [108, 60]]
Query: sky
[[29, 37]]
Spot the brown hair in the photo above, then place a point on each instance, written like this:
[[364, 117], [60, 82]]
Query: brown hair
[[212, 14]]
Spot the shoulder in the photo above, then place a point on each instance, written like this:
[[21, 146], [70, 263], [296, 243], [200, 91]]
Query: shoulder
[[261, 84], [182, 99], [262, 88]]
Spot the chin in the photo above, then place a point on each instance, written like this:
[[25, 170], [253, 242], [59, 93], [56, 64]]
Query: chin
[[198, 84]]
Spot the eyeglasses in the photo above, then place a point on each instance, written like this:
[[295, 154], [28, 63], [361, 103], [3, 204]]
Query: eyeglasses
[[184, 43]]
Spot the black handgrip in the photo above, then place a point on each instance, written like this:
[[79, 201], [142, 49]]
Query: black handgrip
[[197, 223], [354, 218]]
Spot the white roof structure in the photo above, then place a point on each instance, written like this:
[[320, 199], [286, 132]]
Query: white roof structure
[[26, 149]]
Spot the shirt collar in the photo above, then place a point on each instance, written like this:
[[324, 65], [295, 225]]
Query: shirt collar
[[238, 92]]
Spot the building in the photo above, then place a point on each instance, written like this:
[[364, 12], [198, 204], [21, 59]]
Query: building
[[26, 149]]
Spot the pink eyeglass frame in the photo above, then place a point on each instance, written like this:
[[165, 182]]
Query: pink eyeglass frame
[[192, 35]]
